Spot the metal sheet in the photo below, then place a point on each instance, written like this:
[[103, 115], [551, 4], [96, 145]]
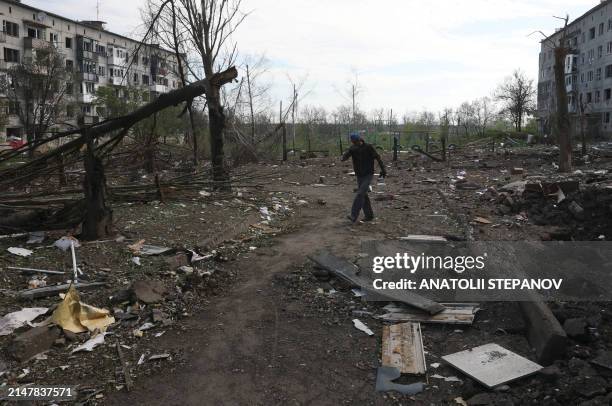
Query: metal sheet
[[402, 348], [492, 365]]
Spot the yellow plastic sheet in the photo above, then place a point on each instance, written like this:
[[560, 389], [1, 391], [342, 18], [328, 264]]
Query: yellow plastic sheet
[[73, 315]]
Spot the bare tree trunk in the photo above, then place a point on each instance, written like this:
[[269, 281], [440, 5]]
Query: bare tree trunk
[[98, 219], [251, 106], [62, 179], [217, 127], [149, 149], [563, 127]]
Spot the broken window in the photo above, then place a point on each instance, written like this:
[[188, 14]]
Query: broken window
[[607, 118], [609, 71], [590, 76], [589, 97], [598, 74], [601, 29], [592, 33], [600, 51], [597, 96]]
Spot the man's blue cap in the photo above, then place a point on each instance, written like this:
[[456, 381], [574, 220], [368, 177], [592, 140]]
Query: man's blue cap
[[355, 137]]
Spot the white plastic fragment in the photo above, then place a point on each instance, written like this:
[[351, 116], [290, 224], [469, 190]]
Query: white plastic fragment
[[14, 320], [22, 252], [90, 344], [360, 326], [64, 243], [136, 260]]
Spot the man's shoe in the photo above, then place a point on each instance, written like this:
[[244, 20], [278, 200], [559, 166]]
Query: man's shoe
[[351, 219], [368, 219]]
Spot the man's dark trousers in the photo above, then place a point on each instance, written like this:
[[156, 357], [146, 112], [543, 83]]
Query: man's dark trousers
[[362, 201]]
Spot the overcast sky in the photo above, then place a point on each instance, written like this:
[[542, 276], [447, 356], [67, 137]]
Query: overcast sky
[[409, 54]]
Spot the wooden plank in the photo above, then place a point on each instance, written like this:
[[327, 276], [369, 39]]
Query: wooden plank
[[402, 348], [32, 270], [440, 318], [54, 290], [348, 272]]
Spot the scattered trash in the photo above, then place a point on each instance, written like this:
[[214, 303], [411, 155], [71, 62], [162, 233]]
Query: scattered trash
[[37, 282], [141, 360], [152, 250], [460, 401], [482, 220], [136, 247], [358, 292], [360, 326], [32, 270], [492, 365], [158, 357], [136, 260], [14, 320], [435, 365], [77, 317], [90, 344], [36, 237], [22, 252], [446, 378], [30, 294], [384, 382], [146, 326], [402, 348], [265, 213], [65, 242]]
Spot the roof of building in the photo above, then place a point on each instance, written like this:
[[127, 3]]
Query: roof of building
[[602, 3], [87, 24]]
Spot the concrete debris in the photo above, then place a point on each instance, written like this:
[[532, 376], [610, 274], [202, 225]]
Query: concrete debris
[[136, 261], [159, 357], [576, 328], [360, 326], [576, 210], [384, 382], [149, 291], [492, 365], [33, 342], [604, 360], [14, 320], [152, 250]]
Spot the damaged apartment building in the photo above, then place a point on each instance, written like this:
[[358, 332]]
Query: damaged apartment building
[[94, 56], [588, 74]]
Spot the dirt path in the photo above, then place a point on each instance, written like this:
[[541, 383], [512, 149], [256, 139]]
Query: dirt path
[[252, 347]]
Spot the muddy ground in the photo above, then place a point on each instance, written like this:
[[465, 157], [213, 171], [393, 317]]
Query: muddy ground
[[253, 325]]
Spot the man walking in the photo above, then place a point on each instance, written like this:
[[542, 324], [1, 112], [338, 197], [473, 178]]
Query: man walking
[[363, 156]]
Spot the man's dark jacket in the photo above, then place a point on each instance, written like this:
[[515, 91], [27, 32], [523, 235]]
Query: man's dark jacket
[[363, 156]]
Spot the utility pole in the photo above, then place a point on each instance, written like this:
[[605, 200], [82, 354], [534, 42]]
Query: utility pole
[[284, 129], [293, 116], [353, 88]]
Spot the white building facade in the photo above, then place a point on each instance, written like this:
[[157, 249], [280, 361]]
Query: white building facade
[[96, 56]]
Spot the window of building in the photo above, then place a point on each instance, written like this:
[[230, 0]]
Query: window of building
[[608, 94], [582, 38], [592, 33], [597, 96], [68, 42], [10, 28], [591, 56], [88, 87], [53, 38], [69, 64], [607, 118], [589, 97], [101, 71], [13, 107], [582, 77], [598, 74], [610, 47], [582, 59], [11, 55], [601, 28], [590, 76], [86, 109], [600, 51], [145, 79], [34, 33], [609, 71], [70, 110], [135, 78], [69, 88]]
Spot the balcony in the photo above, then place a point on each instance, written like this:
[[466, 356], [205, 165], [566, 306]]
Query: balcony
[[88, 77], [159, 88], [35, 43], [88, 120], [117, 81], [86, 98]]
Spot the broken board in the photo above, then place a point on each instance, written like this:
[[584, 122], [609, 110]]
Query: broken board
[[348, 272], [402, 348], [452, 314], [492, 365]]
